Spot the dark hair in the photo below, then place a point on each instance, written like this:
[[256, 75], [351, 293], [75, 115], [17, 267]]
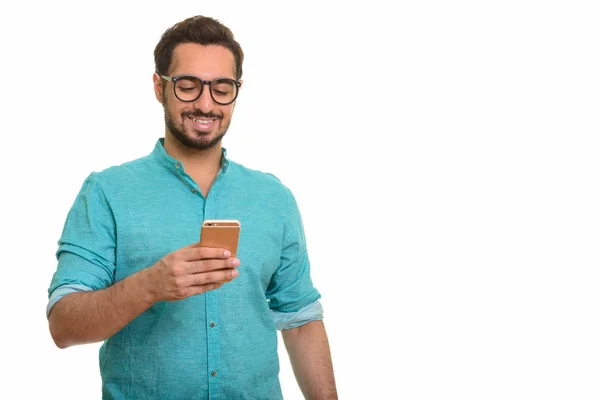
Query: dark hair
[[199, 29]]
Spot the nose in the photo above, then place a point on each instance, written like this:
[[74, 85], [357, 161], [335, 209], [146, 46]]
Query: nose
[[205, 102]]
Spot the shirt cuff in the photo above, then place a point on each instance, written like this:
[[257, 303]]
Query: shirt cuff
[[61, 292], [312, 312]]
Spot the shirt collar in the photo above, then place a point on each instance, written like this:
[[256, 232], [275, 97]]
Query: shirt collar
[[172, 163]]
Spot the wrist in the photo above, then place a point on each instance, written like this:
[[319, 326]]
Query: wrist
[[143, 286]]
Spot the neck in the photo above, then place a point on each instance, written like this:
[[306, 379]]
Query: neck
[[201, 164]]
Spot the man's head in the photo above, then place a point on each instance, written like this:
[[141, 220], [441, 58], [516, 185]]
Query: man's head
[[188, 55]]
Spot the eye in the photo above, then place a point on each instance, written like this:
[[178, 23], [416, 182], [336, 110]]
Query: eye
[[223, 88], [187, 85]]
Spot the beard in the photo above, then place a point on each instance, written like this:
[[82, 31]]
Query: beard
[[193, 138]]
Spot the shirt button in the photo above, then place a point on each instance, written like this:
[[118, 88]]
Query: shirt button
[[212, 324], [194, 191], [213, 373], [178, 165]]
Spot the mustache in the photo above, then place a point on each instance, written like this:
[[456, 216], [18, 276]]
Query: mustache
[[200, 114]]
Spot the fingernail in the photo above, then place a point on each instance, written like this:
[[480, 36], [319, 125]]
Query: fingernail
[[234, 273], [235, 262], [226, 253]]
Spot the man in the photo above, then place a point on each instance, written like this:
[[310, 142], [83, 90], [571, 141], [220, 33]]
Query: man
[[180, 321]]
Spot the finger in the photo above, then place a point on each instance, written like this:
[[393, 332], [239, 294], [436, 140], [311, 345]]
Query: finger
[[207, 278], [193, 290], [214, 264], [200, 253]]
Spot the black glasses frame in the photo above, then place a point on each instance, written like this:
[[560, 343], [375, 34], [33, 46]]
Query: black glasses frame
[[174, 79]]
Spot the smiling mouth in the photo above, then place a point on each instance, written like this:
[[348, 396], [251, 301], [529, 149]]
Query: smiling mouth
[[203, 124], [202, 121]]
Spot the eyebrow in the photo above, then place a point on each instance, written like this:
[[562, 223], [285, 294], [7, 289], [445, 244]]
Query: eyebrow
[[197, 77]]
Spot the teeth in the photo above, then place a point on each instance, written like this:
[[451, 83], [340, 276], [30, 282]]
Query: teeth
[[202, 121]]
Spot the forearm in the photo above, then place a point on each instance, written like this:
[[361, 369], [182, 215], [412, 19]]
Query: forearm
[[310, 356], [88, 317]]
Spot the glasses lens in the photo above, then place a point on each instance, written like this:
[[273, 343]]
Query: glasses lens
[[223, 90], [188, 88]]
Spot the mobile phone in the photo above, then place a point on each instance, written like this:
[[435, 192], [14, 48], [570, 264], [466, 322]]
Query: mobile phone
[[222, 233]]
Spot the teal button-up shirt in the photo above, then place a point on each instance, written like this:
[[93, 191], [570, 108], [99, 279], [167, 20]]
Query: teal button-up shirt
[[217, 345]]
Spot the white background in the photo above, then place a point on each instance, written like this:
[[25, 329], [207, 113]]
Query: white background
[[444, 155]]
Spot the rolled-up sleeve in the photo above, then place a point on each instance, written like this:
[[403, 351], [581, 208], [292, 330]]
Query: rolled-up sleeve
[[311, 312], [291, 288], [86, 249]]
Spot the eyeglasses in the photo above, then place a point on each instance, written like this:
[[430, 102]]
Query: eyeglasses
[[189, 88]]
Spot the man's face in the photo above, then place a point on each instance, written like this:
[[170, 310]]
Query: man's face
[[200, 124]]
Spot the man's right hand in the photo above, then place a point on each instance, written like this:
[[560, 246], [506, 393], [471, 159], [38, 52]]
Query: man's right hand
[[180, 274], [189, 271]]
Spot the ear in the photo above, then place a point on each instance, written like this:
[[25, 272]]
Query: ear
[[235, 102], [158, 87]]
